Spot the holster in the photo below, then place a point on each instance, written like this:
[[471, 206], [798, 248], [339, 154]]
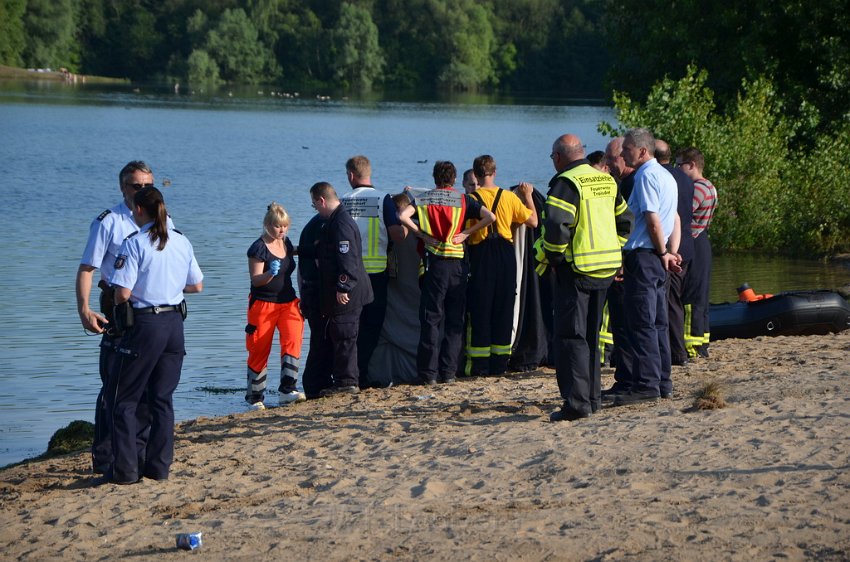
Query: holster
[[184, 309], [107, 301], [124, 318]]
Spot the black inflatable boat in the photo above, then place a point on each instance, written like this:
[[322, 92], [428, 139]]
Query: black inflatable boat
[[794, 313]]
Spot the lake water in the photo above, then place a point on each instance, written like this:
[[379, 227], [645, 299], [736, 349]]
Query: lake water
[[226, 159]]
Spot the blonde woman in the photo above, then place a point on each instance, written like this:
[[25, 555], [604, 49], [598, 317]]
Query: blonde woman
[[273, 305]]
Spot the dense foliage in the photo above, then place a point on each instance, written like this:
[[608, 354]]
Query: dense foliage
[[773, 195], [523, 45], [803, 46]]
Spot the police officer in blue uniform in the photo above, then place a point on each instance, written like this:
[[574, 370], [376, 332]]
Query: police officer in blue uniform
[[106, 234], [344, 290], [154, 267]]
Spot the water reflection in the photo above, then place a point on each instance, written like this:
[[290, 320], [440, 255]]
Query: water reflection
[[768, 274]]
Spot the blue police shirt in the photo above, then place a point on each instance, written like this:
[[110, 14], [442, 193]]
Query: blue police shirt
[[106, 234], [655, 191], [155, 278]]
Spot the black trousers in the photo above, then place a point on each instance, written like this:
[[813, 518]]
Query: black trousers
[[490, 306], [148, 369], [336, 358], [676, 314], [371, 323], [441, 309], [697, 289], [621, 355], [101, 448], [318, 369], [578, 314]]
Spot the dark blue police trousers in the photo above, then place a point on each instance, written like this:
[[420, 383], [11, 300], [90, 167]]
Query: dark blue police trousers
[[151, 357], [648, 349]]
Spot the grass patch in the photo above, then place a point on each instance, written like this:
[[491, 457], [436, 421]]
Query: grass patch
[[709, 397]]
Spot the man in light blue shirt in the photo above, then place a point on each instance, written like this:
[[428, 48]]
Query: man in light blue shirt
[[106, 234], [649, 254]]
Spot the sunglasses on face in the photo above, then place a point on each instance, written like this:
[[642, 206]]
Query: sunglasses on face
[[138, 186]]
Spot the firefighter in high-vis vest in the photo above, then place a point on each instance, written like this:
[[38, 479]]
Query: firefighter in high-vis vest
[[375, 215], [442, 213], [585, 224], [493, 271]]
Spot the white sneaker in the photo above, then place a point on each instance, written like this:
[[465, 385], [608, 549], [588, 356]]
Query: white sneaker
[[257, 406], [290, 397]]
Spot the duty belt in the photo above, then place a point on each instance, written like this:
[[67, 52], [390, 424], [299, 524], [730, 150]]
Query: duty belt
[[157, 309]]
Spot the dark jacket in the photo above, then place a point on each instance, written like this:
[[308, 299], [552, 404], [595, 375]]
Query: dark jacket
[[341, 266], [685, 209], [308, 269]]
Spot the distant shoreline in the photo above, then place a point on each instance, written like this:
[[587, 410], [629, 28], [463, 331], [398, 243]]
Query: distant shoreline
[[61, 75]]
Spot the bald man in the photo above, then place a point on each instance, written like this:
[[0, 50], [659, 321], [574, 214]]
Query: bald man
[[614, 328], [586, 222]]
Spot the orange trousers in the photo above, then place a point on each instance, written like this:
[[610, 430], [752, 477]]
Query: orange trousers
[[263, 318]]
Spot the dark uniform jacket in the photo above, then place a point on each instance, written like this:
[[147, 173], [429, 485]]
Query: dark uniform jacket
[[685, 209], [341, 266], [308, 269]]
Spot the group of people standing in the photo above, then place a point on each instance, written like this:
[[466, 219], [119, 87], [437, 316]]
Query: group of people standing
[[657, 305], [624, 239]]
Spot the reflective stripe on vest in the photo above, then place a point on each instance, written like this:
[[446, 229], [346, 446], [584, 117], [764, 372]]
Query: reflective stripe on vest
[[366, 207], [440, 213], [595, 248]]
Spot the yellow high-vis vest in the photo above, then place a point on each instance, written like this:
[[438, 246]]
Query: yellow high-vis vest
[[595, 248]]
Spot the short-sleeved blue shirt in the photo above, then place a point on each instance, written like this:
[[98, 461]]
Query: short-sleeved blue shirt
[[654, 191], [154, 277]]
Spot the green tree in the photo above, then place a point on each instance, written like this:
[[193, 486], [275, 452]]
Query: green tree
[[12, 41], [139, 43], [303, 44], [471, 46], [413, 43], [818, 211], [234, 44], [560, 46], [804, 47], [202, 69], [50, 26], [358, 59]]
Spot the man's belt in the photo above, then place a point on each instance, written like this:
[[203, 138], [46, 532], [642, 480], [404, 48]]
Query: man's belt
[[157, 309]]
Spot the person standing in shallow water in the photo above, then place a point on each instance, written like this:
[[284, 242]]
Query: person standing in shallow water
[[273, 305]]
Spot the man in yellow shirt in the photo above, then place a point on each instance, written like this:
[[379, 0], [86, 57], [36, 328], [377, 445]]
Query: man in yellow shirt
[[493, 271]]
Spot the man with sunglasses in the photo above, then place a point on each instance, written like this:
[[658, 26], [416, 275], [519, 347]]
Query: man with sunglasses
[[106, 233]]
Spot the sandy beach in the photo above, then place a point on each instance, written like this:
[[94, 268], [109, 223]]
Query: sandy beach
[[476, 471]]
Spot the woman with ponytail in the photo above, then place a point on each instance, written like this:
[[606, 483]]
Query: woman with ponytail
[[272, 305], [154, 267]]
